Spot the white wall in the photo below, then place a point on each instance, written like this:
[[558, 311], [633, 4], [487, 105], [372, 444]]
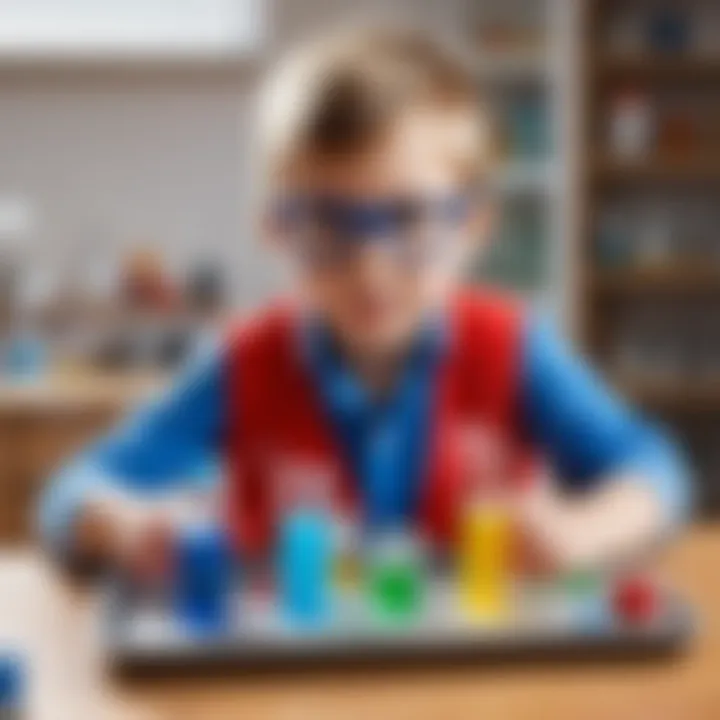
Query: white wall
[[113, 158], [124, 160]]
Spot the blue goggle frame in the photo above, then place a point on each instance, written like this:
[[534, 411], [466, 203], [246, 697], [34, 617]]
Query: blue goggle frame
[[362, 221]]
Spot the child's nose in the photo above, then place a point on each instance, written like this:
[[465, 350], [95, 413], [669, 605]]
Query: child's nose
[[375, 257]]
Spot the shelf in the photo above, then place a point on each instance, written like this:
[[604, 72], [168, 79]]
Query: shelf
[[659, 67], [659, 169], [677, 277], [690, 396], [81, 391]]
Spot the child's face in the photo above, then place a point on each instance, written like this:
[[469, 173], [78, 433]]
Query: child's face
[[380, 239]]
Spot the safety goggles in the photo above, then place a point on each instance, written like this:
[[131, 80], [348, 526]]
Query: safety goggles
[[326, 230]]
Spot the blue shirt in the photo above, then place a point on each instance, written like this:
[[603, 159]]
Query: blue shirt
[[587, 434]]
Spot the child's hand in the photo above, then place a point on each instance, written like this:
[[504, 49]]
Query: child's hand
[[546, 534], [145, 549], [619, 520], [125, 533]]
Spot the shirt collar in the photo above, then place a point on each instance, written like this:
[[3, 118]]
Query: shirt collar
[[338, 383]]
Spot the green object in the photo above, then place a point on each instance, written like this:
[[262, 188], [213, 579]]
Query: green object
[[397, 591], [396, 580]]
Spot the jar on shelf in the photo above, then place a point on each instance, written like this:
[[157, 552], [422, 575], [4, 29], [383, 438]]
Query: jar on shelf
[[655, 241], [631, 131], [613, 238]]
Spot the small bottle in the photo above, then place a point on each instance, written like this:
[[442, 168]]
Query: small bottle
[[12, 686], [396, 576], [204, 579], [304, 566], [631, 125], [485, 560], [485, 535]]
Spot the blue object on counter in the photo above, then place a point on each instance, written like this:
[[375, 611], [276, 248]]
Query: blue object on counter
[[305, 566], [204, 579], [12, 683], [25, 356]]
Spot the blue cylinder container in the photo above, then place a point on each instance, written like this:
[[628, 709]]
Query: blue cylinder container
[[25, 356], [305, 567], [204, 579], [12, 685]]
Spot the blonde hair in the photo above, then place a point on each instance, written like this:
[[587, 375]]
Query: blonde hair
[[338, 95]]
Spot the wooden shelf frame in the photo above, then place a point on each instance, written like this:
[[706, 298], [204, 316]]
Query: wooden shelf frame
[[602, 291]]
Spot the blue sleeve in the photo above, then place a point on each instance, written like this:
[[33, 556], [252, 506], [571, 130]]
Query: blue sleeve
[[586, 432], [169, 443]]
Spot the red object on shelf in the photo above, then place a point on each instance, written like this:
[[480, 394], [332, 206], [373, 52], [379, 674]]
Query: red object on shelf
[[636, 599]]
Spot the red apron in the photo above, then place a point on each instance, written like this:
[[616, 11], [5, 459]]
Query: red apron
[[279, 434]]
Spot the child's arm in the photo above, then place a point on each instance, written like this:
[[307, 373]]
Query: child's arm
[[632, 485], [101, 498]]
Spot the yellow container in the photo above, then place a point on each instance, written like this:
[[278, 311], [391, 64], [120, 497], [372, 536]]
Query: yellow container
[[485, 561]]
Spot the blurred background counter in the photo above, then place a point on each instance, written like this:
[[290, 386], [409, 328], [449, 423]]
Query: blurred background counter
[[43, 421]]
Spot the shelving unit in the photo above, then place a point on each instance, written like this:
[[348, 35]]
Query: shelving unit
[[659, 69], [522, 64], [649, 235], [660, 170], [679, 277]]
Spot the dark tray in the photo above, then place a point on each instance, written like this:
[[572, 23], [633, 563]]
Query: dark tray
[[147, 641]]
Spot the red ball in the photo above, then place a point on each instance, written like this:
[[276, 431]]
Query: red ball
[[636, 600]]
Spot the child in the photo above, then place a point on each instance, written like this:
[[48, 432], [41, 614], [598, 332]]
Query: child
[[377, 371]]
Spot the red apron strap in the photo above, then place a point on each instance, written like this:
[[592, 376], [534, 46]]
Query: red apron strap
[[476, 393], [275, 417]]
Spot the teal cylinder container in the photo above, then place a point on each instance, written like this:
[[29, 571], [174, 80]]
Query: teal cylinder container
[[305, 564]]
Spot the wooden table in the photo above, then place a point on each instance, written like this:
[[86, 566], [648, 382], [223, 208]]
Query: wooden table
[[55, 626], [46, 420]]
